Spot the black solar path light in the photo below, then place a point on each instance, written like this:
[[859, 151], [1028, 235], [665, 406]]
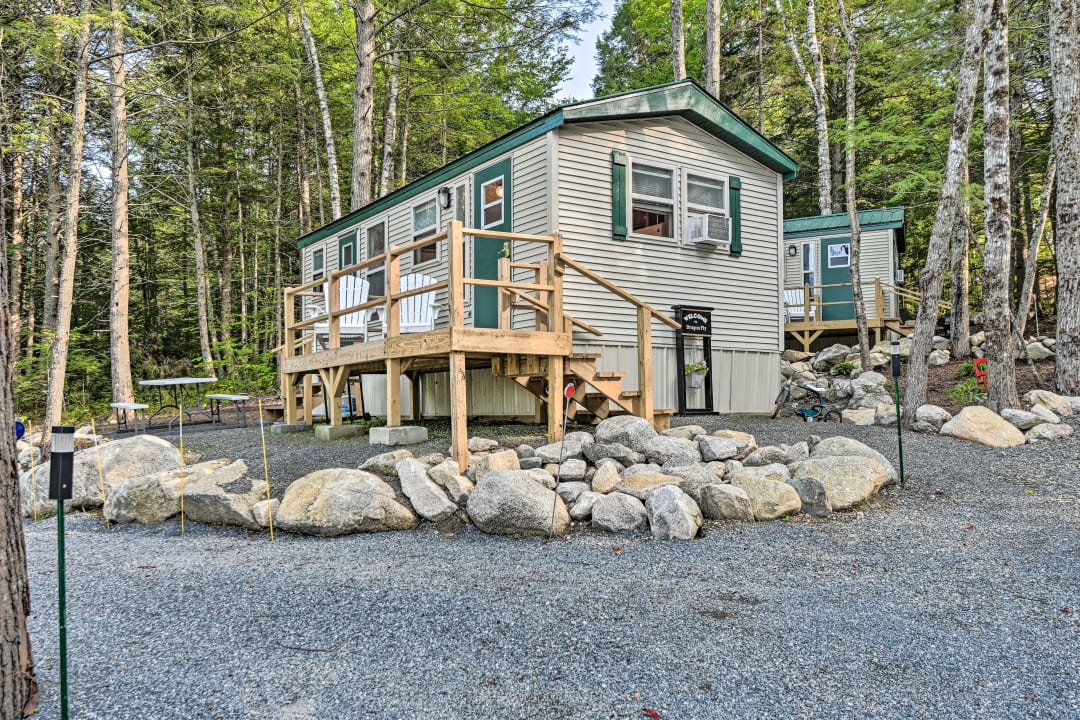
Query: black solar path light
[[61, 470]]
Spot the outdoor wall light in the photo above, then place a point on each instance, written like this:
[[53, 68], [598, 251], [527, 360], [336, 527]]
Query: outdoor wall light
[[792, 251], [445, 198]]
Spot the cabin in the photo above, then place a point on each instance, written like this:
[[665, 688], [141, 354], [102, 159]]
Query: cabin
[[556, 253], [818, 305]]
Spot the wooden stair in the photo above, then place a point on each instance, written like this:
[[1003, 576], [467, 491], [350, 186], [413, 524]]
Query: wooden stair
[[598, 395]]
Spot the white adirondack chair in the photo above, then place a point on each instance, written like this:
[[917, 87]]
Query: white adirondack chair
[[418, 312], [795, 307], [351, 291]]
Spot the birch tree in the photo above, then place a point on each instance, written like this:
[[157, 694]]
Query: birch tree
[[1001, 362], [850, 189], [119, 347], [390, 117], [1065, 74], [363, 102], [54, 403], [678, 40], [814, 77], [1027, 285], [202, 282], [712, 47], [932, 275], [324, 112], [961, 261]]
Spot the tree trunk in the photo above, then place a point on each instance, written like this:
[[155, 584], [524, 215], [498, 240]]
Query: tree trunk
[[403, 168], [1000, 357], [17, 249], [932, 276], [54, 403], [363, 102], [961, 255], [52, 231], [18, 686], [324, 112], [678, 40], [302, 169], [1065, 74], [386, 171], [119, 349], [202, 283], [279, 318], [225, 352], [712, 47], [760, 67], [815, 83], [1028, 283], [850, 187]]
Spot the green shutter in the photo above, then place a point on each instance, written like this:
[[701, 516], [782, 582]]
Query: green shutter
[[618, 195], [735, 209]]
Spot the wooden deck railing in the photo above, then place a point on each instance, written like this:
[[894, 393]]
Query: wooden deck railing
[[812, 300]]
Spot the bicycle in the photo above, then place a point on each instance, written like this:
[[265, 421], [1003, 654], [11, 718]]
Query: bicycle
[[819, 411]]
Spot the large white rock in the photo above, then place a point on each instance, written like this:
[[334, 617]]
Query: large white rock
[[121, 460], [777, 472], [1038, 351], [583, 506], [848, 447], [209, 503], [1057, 404], [717, 448], [982, 425], [675, 451], [339, 501], [830, 356], [687, 432], [783, 454], [596, 452], [770, 499], [619, 512], [1044, 414], [643, 484], [571, 447], [153, 499], [1022, 419], [746, 442], [673, 515], [385, 464], [725, 502], [1049, 431], [265, 511], [628, 430], [508, 503], [606, 478], [427, 498], [482, 444], [930, 418], [869, 390], [499, 460], [937, 358], [848, 481], [859, 416]]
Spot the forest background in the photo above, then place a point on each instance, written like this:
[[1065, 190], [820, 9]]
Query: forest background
[[170, 153]]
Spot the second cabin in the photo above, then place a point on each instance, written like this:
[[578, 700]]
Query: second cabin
[[656, 198]]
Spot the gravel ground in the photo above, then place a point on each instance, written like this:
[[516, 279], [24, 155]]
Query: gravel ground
[[947, 598]]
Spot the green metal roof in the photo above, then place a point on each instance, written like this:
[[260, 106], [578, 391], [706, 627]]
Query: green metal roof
[[837, 223], [684, 98]]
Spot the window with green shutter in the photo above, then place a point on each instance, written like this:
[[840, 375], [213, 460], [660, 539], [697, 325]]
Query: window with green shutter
[[618, 195], [735, 210]]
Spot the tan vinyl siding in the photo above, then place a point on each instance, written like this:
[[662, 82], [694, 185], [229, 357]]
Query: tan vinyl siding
[[664, 272]]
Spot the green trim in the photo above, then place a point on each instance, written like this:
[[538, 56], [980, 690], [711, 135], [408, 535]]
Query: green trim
[[488, 251], [735, 209], [684, 98], [465, 163], [837, 223], [342, 242], [618, 195]]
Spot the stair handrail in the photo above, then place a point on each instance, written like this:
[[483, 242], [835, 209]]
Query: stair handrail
[[645, 315]]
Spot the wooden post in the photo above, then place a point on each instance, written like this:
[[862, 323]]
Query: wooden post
[[542, 276], [459, 430], [555, 279], [879, 299], [645, 361], [456, 251], [393, 287], [333, 304], [393, 392], [288, 397], [309, 398], [414, 396], [806, 307], [555, 398], [506, 300]]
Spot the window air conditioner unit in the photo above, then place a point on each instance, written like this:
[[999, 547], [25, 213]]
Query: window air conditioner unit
[[709, 230]]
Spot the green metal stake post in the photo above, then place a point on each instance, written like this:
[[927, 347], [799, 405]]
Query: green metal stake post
[[61, 469], [896, 390]]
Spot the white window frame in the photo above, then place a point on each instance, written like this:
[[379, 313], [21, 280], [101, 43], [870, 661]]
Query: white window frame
[[461, 199], [355, 248], [320, 272], [651, 199], [697, 209], [809, 252], [501, 202], [845, 258], [421, 233]]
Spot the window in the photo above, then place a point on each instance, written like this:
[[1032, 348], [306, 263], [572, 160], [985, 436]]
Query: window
[[491, 194], [317, 264], [459, 203], [653, 209], [376, 245], [424, 223], [705, 216], [840, 255], [346, 251], [808, 266]]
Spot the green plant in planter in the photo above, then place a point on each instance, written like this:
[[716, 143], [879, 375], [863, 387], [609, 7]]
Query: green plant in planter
[[697, 367], [967, 392], [844, 368]]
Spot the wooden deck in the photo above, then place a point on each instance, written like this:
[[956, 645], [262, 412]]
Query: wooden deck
[[809, 327], [541, 360]]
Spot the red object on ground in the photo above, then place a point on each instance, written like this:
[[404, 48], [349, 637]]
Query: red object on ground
[[652, 713], [980, 372]]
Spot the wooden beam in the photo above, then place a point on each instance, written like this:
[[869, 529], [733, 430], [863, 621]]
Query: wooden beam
[[645, 362], [414, 397], [392, 321], [288, 397], [459, 431], [555, 398], [309, 398], [506, 301], [456, 260], [616, 290], [393, 392]]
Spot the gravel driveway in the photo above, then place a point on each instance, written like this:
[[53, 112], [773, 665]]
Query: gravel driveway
[[957, 596]]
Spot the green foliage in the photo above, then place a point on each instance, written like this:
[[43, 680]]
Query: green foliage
[[967, 392], [844, 368], [695, 367], [964, 370]]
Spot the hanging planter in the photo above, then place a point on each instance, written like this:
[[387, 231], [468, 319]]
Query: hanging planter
[[695, 373]]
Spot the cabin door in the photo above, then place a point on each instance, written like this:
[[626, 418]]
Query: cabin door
[[836, 270], [491, 211]]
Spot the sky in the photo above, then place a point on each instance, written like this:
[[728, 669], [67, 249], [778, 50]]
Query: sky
[[584, 53]]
